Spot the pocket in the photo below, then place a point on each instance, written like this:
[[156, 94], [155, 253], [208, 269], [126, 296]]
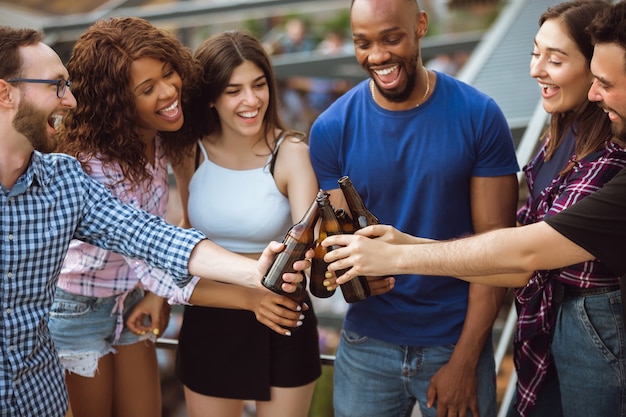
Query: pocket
[[353, 338], [69, 308]]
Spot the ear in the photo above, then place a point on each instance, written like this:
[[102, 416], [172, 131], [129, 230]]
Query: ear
[[6, 95], [422, 24]]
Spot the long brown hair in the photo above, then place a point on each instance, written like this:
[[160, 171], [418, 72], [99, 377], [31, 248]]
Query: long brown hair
[[588, 122], [99, 67], [219, 55]]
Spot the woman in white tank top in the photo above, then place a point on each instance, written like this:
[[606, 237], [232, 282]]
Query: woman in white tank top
[[246, 183]]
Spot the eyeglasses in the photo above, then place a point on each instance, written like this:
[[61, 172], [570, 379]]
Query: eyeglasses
[[62, 85]]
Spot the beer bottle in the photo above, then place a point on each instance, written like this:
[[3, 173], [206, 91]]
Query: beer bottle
[[297, 240], [318, 265], [361, 216], [356, 289], [345, 221]]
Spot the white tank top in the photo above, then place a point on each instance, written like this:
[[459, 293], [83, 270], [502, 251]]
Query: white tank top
[[240, 210]]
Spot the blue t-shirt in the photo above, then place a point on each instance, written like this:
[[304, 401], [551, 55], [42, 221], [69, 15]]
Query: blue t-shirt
[[413, 168]]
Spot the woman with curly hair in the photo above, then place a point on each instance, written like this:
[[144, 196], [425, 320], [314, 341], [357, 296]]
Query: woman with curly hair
[[131, 80]]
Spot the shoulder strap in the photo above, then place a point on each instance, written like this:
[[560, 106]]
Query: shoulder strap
[[275, 154], [200, 148]]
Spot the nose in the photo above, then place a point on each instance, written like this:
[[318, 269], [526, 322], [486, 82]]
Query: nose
[[537, 67], [250, 97], [167, 89], [68, 100], [594, 92], [378, 54]]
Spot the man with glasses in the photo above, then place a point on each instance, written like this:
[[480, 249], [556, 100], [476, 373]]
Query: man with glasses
[[61, 84], [46, 200]]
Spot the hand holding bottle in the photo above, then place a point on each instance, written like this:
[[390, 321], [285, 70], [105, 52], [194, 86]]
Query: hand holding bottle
[[298, 242], [292, 279]]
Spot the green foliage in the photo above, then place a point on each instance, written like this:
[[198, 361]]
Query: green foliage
[[322, 404]]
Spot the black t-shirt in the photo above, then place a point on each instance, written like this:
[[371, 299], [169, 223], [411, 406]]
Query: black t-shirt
[[597, 223]]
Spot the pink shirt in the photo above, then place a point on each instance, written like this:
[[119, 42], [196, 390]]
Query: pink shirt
[[94, 272]]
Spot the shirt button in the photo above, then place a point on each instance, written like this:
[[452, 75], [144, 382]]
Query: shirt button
[[10, 275], [8, 310], [10, 236], [11, 348]]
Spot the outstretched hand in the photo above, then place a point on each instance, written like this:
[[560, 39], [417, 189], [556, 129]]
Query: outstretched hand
[[291, 279], [371, 251]]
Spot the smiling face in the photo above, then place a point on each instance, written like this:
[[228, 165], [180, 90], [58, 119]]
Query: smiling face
[[242, 105], [157, 90], [608, 66], [386, 36], [560, 68], [40, 111]]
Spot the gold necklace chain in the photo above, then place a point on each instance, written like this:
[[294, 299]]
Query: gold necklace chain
[[425, 92]]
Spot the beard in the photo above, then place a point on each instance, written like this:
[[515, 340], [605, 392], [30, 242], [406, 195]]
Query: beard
[[410, 67], [33, 124], [619, 130]]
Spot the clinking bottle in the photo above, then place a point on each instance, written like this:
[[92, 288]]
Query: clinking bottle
[[328, 226], [356, 289], [361, 217], [345, 221], [297, 240]]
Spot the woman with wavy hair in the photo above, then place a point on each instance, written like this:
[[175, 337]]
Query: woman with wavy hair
[[131, 80], [249, 181]]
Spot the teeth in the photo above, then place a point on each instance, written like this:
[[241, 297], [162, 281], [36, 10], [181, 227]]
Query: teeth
[[546, 86], [58, 119], [249, 114], [385, 71], [170, 108]]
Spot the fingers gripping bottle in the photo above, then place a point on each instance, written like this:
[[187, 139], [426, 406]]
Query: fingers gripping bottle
[[361, 216], [356, 289], [297, 241]]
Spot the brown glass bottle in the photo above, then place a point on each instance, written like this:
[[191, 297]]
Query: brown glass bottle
[[297, 240], [318, 265], [345, 221], [361, 217], [356, 289]]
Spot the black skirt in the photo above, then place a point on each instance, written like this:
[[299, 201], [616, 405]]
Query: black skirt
[[229, 354]]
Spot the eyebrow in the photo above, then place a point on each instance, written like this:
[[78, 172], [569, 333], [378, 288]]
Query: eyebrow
[[381, 33], [553, 49], [254, 81], [138, 86]]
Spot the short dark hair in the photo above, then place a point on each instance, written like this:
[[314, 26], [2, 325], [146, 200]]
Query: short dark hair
[[610, 26], [11, 39]]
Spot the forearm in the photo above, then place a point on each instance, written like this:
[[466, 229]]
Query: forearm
[[515, 250], [209, 293], [209, 260], [483, 306]]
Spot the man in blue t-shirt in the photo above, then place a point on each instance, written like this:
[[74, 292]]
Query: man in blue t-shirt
[[433, 157]]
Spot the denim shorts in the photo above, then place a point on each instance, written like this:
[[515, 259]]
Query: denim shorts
[[86, 328]]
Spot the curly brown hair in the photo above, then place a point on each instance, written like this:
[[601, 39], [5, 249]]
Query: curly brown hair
[[99, 67]]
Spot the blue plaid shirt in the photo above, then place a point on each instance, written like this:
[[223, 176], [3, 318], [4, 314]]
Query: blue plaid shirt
[[53, 202]]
